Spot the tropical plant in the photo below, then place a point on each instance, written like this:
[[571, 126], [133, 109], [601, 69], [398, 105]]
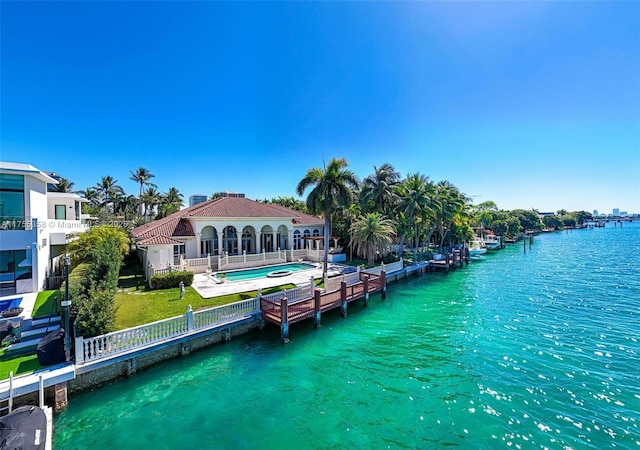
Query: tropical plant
[[142, 177], [63, 185], [288, 202], [331, 189], [417, 200], [170, 203], [107, 190], [372, 236], [379, 189], [87, 242], [151, 198]]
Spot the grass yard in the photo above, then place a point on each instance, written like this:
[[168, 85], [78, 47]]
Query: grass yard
[[20, 365], [139, 307], [47, 304]]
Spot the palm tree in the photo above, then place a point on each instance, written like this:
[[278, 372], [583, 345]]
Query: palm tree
[[142, 176], [379, 188], [170, 202], [452, 206], [372, 235], [125, 205], [332, 189], [107, 189], [417, 200], [151, 198], [351, 213], [64, 185]]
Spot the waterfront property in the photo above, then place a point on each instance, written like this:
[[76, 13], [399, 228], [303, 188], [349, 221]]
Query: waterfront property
[[226, 233], [465, 359], [35, 227]]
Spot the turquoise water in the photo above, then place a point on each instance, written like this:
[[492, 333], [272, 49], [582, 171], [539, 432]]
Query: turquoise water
[[238, 275], [535, 350]]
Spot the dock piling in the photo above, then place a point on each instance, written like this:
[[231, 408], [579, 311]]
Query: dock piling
[[316, 307], [284, 326], [343, 298], [365, 283], [383, 275]]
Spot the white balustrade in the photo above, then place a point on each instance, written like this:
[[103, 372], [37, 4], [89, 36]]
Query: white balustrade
[[218, 314], [156, 333]]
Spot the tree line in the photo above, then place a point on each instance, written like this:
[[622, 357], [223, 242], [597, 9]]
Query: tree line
[[107, 198]]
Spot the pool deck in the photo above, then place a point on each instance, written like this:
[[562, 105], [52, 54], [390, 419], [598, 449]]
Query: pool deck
[[27, 303], [207, 288]]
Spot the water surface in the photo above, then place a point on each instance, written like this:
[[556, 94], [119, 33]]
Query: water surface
[[535, 350]]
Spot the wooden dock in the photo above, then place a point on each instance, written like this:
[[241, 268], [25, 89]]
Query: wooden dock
[[450, 260], [308, 303]]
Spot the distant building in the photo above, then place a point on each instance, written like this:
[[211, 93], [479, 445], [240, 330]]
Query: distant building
[[623, 213], [230, 194], [198, 198], [616, 212], [595, 212]]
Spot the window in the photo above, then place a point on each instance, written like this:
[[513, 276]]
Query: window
[[12, 197], [61, 212]]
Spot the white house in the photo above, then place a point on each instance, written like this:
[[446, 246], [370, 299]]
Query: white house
[[228, 226], [35, 226]]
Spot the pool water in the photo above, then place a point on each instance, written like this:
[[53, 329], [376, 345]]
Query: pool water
[[248, 274], [10, 303]]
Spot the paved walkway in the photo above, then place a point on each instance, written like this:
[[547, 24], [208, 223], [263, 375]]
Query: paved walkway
[[207, 288]]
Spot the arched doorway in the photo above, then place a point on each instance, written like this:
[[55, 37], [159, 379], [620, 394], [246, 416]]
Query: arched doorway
[[209, 241], [230, 240], [249, 239]]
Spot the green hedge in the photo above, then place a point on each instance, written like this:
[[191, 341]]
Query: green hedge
[[171, 280]]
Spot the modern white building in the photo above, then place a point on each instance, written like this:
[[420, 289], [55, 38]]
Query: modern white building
[[35, 227]]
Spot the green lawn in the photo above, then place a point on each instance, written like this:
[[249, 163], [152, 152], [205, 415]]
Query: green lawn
[[47, 304], [139, 307], [20, 365]]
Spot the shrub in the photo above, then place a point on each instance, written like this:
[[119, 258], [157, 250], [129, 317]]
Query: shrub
[[171, 280]]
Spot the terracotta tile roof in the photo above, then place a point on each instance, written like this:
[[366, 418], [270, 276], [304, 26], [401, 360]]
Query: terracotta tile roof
[[155, 240], [178, 224]]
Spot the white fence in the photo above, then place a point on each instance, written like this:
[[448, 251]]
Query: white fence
[[303, 292], [118, 342], [334, 283], [388, 268], [238, 261], [157, 333]]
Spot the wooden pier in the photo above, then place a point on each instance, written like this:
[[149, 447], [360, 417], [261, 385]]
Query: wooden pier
[[450, 260], [303, 303]]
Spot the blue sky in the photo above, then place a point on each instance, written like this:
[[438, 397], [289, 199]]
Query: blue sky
[[528, 104]]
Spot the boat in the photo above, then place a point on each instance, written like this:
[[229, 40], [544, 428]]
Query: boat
[[492, 242], [477, 248], [24, 428]]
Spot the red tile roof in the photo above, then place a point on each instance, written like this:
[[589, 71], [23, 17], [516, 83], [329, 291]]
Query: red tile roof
[[178, 224], [155, 240]]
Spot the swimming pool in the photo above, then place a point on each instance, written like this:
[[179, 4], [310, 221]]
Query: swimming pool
[[248, 274], [10, 303]]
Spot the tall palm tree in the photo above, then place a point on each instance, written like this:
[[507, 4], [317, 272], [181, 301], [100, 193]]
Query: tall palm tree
[[417, 200], [151, 198], [142, 176], [332, 189], [351, 213], [107, 189], [372, 235], [379, 188], [452, 206], [64, 185]]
